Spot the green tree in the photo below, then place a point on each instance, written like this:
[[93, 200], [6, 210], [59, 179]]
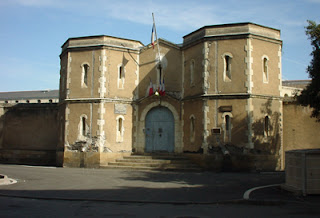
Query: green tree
[[310, 96]]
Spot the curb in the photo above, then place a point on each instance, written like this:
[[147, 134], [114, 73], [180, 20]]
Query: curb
[[4, 180], [232, 201]]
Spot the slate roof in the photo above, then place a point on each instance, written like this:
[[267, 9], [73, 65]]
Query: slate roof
[[296, 83], [25, 95]]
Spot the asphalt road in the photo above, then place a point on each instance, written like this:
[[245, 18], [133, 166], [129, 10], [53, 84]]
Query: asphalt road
[[16, 207], [78, 192]]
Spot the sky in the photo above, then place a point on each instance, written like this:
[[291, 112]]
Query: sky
[[33, 31]]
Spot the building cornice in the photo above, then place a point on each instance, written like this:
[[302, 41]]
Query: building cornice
[[97, 100], [231, 96]]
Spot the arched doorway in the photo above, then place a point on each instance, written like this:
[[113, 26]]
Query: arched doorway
[[159, 130]]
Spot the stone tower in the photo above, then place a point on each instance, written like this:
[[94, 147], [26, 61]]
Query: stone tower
[[232, 73], [98, 78]]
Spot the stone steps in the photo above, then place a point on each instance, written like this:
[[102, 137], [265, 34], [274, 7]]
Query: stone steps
[[153, 162]]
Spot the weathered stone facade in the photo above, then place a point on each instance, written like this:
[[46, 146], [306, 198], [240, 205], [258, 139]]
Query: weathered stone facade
[[223, 102], [222, 88]]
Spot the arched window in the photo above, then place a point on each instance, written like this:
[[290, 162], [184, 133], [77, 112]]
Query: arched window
[[227, 126], [227, 72], [83, 126], [192, 128], [227, 117], [84, 75], [192, 66], [120, 122], [120, 129], [265, 73], [266, 126], [121, 72], [121, 76]]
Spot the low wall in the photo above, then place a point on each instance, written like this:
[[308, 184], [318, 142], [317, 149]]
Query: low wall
[[43, 158], [236, 162], [303, 171]]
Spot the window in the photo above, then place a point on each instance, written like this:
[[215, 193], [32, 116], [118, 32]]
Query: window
[[266, 126], [120, 125], [227, 126], [121, 76], [84, 79], [192, 65], [227, 122], [84, 127], [192, 128], [227, 75], [120, 129], [121, 73], [265, 69]]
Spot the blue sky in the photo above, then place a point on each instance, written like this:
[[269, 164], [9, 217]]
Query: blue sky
[[32, 31]]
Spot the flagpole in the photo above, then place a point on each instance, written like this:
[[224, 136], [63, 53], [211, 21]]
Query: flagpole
[[155, 31]]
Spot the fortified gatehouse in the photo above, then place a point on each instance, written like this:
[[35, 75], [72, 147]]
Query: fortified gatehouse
[[221, 91], [217, 99]]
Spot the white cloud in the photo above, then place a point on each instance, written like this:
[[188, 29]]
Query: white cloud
[[179, 15], [35, 3], [171, 14]]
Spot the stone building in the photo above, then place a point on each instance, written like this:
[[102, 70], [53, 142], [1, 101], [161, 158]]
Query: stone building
[[222, 87], [216, 98]]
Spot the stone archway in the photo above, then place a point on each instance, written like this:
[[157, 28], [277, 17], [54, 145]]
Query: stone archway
[[140, 144]]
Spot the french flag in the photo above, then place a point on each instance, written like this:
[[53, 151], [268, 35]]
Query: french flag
[[162, 90], [153, 35], [150, 88]]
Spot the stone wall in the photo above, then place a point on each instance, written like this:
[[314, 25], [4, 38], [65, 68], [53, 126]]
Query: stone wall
[[29, 134], [300, 131]]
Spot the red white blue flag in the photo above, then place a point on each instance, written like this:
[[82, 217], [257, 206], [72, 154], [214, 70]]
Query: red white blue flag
[[162, 88], [150, 88], [153, 35]]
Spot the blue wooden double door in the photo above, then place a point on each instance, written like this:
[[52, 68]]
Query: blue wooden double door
[[159, 130]]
